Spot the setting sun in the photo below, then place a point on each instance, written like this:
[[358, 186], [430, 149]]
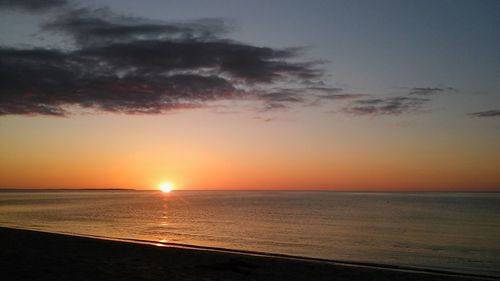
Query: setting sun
[[166, 187]]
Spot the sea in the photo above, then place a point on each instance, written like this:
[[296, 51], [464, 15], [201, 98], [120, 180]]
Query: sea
[[448, 231]]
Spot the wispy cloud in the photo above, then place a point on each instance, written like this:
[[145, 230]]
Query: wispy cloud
[[413, 101], [430, 91], [486, 114], [385, 106]]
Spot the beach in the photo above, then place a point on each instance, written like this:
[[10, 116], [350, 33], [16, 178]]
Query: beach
[[34, 255]]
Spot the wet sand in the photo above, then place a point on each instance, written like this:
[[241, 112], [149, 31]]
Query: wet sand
[[32, 255]]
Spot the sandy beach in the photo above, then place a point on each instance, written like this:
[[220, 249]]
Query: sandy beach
[[33, 255]]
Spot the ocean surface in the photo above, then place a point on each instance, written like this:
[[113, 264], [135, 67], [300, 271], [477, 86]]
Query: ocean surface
[[448, 231]]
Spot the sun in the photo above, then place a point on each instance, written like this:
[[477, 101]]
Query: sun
[[166, 187]]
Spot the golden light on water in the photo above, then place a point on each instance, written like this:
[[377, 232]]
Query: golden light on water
[[166, 187]]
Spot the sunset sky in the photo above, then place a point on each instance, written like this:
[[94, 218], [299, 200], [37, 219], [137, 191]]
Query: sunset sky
[[340, 95]]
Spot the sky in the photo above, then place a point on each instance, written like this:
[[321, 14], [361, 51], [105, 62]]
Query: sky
[[310, 95]]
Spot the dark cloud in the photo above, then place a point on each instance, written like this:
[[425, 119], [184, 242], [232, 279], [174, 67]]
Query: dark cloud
[[385, 106], [341, 96], [32, 5], [430, 91], [130, 65], [58, 80], [332, 93], [101, 27], [487, 113], [129, 42], [326, 90], [245, 62]]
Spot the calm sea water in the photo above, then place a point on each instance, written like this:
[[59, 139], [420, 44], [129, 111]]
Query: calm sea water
[[450, 231]]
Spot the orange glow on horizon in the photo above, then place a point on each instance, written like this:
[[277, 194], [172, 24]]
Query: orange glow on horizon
[[34, 155]]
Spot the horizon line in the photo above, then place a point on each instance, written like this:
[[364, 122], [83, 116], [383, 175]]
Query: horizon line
[[259, 189]]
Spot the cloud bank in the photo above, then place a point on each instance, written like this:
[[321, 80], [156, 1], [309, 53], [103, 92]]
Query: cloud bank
[[133, 65]]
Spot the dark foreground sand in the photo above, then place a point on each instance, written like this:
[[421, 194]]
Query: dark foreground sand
[[31, 255]]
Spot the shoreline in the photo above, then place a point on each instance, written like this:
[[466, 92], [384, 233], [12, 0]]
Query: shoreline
[[275, 255], [207, 263]]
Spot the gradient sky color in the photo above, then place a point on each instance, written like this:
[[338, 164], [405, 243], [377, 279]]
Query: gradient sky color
[[413, 103]]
